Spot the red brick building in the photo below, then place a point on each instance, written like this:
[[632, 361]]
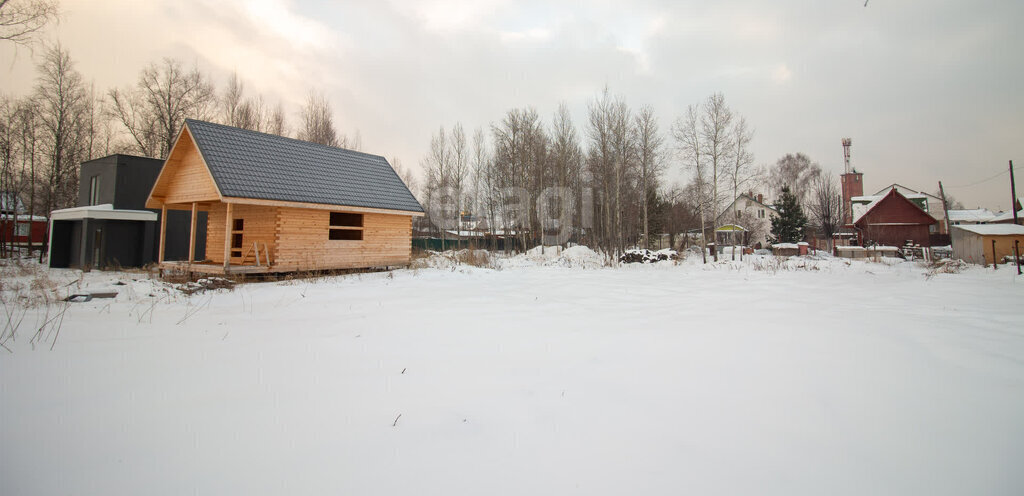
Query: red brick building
[[893, 220]]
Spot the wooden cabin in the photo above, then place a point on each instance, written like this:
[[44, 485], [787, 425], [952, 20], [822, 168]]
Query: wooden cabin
[[277, 204]]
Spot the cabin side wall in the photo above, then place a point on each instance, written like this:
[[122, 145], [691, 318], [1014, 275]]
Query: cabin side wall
[[303, 244], [258, 225]]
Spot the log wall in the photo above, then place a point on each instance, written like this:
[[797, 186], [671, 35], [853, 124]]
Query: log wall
[[259, 224], [303, 244], [185, 178]]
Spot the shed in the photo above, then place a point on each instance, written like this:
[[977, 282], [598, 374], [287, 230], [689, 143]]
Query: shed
[[974, 243], [893, 220], [278, 204]]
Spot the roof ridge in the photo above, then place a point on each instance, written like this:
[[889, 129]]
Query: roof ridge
[[278, 136]]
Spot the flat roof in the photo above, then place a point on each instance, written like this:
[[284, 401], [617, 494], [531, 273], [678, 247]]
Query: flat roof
[[105, 211], [994, 229]]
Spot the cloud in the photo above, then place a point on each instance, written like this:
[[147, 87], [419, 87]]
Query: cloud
[[926, 93]]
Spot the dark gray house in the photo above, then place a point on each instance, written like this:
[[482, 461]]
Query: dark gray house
[[111, 227]]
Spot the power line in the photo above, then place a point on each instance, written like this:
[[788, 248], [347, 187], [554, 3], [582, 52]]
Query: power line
[[981, 181]]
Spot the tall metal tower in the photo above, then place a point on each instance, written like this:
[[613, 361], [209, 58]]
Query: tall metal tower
[[846, 153]]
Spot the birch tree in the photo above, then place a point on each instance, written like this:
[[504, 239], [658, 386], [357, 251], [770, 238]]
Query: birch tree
[[687, 134], [60, 98], [716, 119], [649, 142]]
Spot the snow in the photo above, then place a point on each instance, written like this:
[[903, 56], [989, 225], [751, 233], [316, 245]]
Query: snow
[[993, 229], [1008, 216], [971, 215], [805, 375]]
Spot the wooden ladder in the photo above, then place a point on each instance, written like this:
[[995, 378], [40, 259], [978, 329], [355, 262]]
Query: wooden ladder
[[255, 250]]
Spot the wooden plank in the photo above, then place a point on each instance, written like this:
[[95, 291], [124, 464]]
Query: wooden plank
[[227, 237], [163, 233], [185, 177], [318, 206], [192, 235]]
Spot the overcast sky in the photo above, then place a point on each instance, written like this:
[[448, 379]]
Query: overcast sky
[[927, 90]]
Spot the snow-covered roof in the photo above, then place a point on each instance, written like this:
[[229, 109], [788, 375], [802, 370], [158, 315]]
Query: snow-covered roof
[[1005, 216], [105, 211], [994, 229], [973, 215], [907, 192], [859, 209]]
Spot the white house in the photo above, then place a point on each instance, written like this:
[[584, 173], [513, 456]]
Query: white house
[[753, 214]]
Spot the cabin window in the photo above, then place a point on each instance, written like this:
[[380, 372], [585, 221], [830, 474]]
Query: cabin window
[[23, 229], [345, 226], [237, 226], [94, 190]]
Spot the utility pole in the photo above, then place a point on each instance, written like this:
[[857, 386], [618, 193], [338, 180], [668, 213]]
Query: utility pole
[[1013, 206], [945, 209], [1013, 194]]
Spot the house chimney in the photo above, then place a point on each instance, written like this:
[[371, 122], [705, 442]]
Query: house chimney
[[760, 198]]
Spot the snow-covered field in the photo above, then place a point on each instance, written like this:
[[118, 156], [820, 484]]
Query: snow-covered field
[[550, 376]]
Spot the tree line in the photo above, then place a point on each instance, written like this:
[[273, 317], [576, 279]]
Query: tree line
[[606, 179]]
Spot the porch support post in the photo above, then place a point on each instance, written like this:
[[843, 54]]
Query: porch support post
[[163, 233], [227, 238], [192, 235]]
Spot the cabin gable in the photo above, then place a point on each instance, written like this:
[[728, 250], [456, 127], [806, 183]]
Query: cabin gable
[[184, 178]]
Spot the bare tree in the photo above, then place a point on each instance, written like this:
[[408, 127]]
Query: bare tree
[[649, 141], [716, 119], [484, 180], [741, 164], [797, 172], [61, 101], [689, 142], [155, 110], [826, 206], [460, 168], [437, 165], [566, 161], [231, 102], [8, 189], [21, 19], [276, 123], [318, 121], [406, 175], [610, 158], [28, 130]]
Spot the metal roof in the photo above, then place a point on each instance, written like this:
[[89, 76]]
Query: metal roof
[[248, 164]]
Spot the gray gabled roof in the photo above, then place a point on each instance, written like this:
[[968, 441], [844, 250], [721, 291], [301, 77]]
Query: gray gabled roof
[[248, 164]]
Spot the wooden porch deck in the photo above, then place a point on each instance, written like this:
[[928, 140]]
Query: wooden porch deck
[[212, 268]]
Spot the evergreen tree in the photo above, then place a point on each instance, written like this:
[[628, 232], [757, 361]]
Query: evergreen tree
[[788, 227]]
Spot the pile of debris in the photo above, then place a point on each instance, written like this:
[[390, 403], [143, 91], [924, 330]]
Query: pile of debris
[[205, 284], [640, 255]]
